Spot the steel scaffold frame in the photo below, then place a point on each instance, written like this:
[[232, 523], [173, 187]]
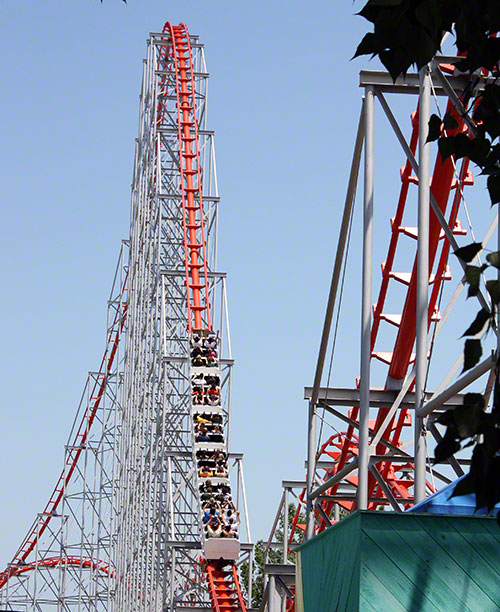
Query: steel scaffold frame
[[368, 466], [65, 562], [132, 540]]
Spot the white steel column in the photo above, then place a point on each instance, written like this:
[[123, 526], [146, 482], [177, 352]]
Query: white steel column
[[366, 306], [311, 469], [422, 277]]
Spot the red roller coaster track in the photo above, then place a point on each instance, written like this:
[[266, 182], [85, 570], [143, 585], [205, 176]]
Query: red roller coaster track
[[222, 578]]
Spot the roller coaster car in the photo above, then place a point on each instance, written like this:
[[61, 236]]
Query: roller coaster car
[[222, 548]]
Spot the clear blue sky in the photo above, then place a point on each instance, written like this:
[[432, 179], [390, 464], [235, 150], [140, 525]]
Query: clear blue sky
[[284, 102]]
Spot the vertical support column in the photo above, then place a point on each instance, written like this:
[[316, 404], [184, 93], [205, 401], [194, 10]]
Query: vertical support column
[[285, 526], [422, 277], [274, 599], [366, 306], [250, 580], [311, 468]]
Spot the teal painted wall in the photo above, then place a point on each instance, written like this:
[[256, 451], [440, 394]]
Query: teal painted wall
[[390, 562]]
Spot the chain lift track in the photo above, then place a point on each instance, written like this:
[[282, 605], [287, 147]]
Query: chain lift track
[[124, 528]]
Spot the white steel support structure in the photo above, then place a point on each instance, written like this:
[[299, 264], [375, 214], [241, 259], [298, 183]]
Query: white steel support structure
[[372, 461], [366, 456], [158, 539], [121, 531], [66, 561]]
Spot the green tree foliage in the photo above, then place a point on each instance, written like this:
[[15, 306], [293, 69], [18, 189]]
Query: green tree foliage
[[274, 556], [409, 33]]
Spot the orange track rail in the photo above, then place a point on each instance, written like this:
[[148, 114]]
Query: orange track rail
[[75, 450], [223, 584], [344, 447], [177, 55], [224, 588]]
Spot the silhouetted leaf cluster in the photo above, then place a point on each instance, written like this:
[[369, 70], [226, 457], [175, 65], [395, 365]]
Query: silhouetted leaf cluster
[[409, 32]]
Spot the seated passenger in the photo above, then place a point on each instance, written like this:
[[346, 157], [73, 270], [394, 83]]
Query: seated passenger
[[227, 532], [205, 472], [200, 418], [198, 397], [196, 351], [219, 456], [199, 361], [201, 433], [210, 341], [220, 471], [211, 357], [209, 513], [196, 340], [231, 519], [216, 435], [206, 505], [214, 527], [213, 395], [198, 380]]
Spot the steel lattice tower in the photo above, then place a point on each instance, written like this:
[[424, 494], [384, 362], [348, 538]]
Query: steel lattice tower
[[122, 528]]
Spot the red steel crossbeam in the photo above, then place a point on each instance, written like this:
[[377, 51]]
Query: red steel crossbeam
[[86, 562]]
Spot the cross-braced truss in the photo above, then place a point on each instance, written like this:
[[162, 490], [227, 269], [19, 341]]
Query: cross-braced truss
[[122, 529]]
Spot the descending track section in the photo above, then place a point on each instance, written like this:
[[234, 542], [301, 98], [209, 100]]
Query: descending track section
[[143, 517], [175, 479]]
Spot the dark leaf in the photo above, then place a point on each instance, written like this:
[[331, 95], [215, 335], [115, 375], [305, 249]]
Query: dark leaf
[[478, 149], [396, 62], [445, 449], [473, 277], [446, 418], [467, 253], [449, 122], [446, 146], [493, 483], [468, 421], [473, 400], [493, 287], [496, 400], [434, 128], [479, 474], [494, 188], [465, 486], [472, 353], [494, 259], [369, 45], [462, 146], [479, 322]]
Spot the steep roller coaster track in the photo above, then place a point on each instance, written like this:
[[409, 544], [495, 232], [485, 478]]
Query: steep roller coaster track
[[175, 56]]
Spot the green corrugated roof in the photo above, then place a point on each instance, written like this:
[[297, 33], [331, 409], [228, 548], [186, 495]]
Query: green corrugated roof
[[387, 561]]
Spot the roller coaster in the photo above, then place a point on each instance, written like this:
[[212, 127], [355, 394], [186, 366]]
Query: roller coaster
[[150, 508], [147, 473]]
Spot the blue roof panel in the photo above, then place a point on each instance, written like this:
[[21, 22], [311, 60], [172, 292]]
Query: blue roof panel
[[442, 503]]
